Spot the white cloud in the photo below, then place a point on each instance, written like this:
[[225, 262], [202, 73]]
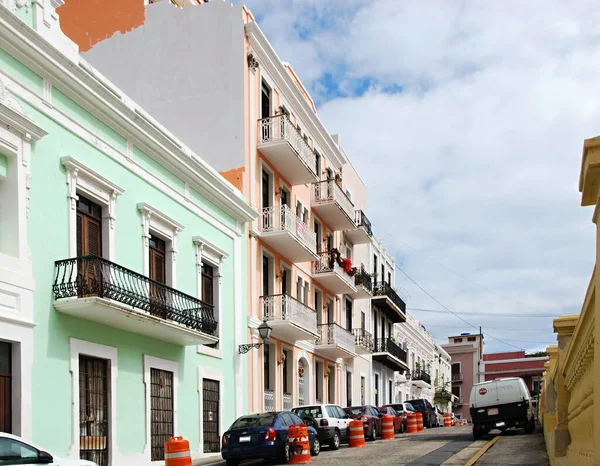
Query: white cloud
[[473, 169]]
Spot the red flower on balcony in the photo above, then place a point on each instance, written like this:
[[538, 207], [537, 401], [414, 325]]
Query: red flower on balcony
[[346, 265]]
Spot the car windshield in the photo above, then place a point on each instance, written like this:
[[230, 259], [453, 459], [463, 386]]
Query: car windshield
[[314, 411], [410, 407], [258, 420], [355, 411]]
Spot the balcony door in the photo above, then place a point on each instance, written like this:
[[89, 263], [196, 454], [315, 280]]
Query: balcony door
[[348, 314], [266, 189], [157, 261], [89, 243], [330, 316], [265, 101]]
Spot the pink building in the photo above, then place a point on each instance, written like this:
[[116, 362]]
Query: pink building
[[466, 351], [515, 364]]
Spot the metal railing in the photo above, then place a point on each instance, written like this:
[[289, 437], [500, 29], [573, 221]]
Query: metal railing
[[328, 264], [284, 307], [385, 289], [386, 345], [94, 276], [457, 377], [284, 219], [363, 338], [287, 401], [333, 334], [364, 279], [269, 400], [280, 128], [420, 374], [361, 220], [328, 191]]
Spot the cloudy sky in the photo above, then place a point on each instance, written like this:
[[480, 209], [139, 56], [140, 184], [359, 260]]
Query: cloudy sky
[[466, 120]]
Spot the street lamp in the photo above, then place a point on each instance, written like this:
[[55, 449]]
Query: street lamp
[[264, 331]]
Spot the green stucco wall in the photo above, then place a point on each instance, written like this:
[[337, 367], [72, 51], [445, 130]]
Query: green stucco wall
[[48, 238]]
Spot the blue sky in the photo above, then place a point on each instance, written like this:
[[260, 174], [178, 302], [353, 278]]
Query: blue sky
[[466, 121]]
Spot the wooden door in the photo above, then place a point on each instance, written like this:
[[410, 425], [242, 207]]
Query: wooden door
[[158, 292], [89, 243], [5, 387]]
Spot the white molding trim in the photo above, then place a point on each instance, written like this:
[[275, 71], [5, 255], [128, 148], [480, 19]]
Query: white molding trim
[[151, 362], [238, 313], [13, 116], [99, 189], [105, 101], [153, 220], [78, 347], [309, 396], [205, 373]]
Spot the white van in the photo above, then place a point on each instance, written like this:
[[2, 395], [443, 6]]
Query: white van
[[501, 404]]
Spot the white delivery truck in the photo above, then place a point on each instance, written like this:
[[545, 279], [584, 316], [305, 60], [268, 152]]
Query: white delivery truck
[[501, 404]]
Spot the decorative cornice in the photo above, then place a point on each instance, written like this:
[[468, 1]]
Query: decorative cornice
[[13, 116], [284, 82], [105, 101], [565, 325], [252, 62]]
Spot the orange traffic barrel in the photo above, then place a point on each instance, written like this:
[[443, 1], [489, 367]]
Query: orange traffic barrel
[[419, 421], [177, 452], [447, 420], [387, 427], [299, 444], [356, 439], [411, 423]]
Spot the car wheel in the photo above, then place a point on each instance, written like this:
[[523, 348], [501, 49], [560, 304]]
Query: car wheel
[[373, 436], [285, 458], [335, 441], [316, 447]]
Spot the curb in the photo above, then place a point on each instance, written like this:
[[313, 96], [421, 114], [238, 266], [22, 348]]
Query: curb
[[482, 451]]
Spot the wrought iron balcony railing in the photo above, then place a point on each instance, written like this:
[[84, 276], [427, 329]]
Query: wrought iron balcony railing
[[282, 218], [363, 338], [269, 400], [280, 128], [386, 345], [361, 220], [287, 401], [94, 276], [457, 377], [333, 334], [420, 374], [327, 263], [385, 289], [284, 307], [362, 278], [329, 191]]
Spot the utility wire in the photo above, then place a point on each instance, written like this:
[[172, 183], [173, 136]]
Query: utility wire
[[452, 312], [492, 314], [493, 328]]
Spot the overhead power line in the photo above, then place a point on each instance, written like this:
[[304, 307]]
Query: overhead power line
[[493, 314]]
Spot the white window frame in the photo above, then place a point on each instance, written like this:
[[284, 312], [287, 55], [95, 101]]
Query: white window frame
[[81, 179], [154, 222], [213, 256], [151, 362], [110, 353], [204, 373]]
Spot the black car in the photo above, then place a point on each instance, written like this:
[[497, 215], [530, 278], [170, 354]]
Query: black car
[[263, 436], [425, 408]]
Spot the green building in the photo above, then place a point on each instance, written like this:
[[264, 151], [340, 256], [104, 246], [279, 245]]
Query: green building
[[122, 263]]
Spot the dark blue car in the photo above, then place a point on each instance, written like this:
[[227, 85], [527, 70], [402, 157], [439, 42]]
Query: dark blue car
[[263, 436]]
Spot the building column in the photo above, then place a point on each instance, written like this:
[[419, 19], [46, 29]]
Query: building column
[[564, 328]]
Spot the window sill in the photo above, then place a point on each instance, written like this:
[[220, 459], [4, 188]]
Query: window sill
[[213, 352]]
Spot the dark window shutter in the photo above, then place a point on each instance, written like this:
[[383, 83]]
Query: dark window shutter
[[157, 266], [94, 240], [80, 220]]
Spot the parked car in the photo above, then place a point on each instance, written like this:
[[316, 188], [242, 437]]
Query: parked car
[[424, 406], [440, 417], [397, 418], [501, 404], [330, 421], [15, 450], [403, 409], [263, 436], [370, 417]]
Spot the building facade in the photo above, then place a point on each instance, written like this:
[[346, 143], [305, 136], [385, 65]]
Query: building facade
[[466, 351], [515, 364], [122, 278]]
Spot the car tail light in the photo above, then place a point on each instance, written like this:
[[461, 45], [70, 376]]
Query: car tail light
[[225, 439], [324, 422], [426, 412], [270, 435]]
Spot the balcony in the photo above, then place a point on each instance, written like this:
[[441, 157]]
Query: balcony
[[289, 318], [331, 271], [388, 302], [458, 402], [421, 379], [389, 354], [335, 342], [98, 290], [287, 401], [282, 145], [333, 205], [364, 285], [363, 341], [457, 377], [361, 233], [281, 229], [269, 400]]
